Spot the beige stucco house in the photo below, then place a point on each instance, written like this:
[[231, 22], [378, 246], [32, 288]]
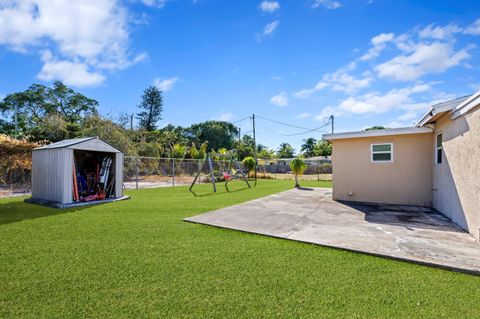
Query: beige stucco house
[[436, 163]]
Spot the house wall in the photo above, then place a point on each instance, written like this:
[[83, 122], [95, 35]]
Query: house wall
[[407, 180], [456, 182]]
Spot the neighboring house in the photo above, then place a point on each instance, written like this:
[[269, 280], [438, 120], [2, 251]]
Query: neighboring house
[[435, 164]]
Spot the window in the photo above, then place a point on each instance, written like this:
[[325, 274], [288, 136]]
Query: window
[[439, 149], [382, 153]]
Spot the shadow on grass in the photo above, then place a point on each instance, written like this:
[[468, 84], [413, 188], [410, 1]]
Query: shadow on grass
[[18, 210], [219, 193]]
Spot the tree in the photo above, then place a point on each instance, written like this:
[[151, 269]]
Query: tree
[[38, 105], [95, 125], [285, 151], [266, 153], [202, 152], [249, 163], [323, 148], [308, 146], [152, 106], [374, 128], [217, 134], [297, 166], [193, 152], [178, 151], [245, 147]]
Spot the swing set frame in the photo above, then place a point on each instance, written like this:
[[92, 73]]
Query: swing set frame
[[228, 176]]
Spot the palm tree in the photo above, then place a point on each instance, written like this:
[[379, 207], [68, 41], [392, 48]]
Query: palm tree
[[297, 166], [308, 146], [285, 151]]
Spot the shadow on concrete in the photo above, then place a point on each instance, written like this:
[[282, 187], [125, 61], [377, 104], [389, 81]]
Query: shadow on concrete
[[305, 189], [410, 217]]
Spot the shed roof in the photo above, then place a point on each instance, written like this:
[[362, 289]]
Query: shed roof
[[85, 143], [373, 133]]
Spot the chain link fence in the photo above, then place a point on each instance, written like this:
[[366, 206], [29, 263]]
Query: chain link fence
[[15, 181], [147, 172]]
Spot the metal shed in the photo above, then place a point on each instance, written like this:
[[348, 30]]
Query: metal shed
[[61, 170]]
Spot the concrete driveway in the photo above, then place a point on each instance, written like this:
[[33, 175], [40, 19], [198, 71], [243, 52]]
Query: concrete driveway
[[310, 215]]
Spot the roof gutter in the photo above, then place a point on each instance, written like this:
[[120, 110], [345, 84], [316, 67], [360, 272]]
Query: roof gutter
[[466, 105], [378, 133], [425, 118]]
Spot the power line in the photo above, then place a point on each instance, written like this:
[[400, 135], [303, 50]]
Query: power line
[[307, 130], [282, 123], [312, 130], [245, 118]]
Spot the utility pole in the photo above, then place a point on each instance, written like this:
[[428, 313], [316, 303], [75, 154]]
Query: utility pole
[[239, 141], [131, 122], [332, 121], [255, 148]]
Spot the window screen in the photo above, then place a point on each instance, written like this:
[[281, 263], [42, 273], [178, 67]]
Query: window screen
[[439, 149], [382, 152]]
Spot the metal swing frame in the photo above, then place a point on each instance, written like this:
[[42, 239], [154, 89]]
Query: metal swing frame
[[208, 161]]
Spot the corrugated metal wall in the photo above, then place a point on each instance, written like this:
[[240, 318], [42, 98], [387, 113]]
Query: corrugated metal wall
[[118, 175], [52, 171], [49, 172]]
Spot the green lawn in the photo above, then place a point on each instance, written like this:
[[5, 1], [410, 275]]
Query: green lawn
[[137, 258]]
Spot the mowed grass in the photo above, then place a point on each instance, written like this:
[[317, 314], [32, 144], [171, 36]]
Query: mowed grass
[[138, 259]]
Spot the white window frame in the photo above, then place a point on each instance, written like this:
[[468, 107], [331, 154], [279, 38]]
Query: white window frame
[[438, 148], [381, 152]]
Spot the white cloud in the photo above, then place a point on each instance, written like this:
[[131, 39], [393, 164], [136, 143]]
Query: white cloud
[[71, 73], [426, 58], [156, 3], [474, 86], [329, 4], [165, 84], [340, 80], [412, 115], [382, 38], [439, 32], [280, 99], [379, 43], [396, 124], [225, 117], [305, 93], [269, 6], [303, 115], [93, 33], [269, 29], [327, 112], [474, 28], [276, 78], [396, 99]]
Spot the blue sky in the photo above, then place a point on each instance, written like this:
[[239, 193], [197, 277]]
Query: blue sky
[[374, 62]]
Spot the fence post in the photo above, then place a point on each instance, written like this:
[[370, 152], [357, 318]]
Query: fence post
[[199, 162], [136, 172], [276, 168], [173, 172]]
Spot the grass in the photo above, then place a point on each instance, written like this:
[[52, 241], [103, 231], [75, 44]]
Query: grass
[[137, 258]]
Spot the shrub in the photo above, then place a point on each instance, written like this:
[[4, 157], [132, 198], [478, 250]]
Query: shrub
[[15, 160], [249, 163], [297, 166]]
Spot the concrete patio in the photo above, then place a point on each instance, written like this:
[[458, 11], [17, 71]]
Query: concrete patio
[[406, 233]]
